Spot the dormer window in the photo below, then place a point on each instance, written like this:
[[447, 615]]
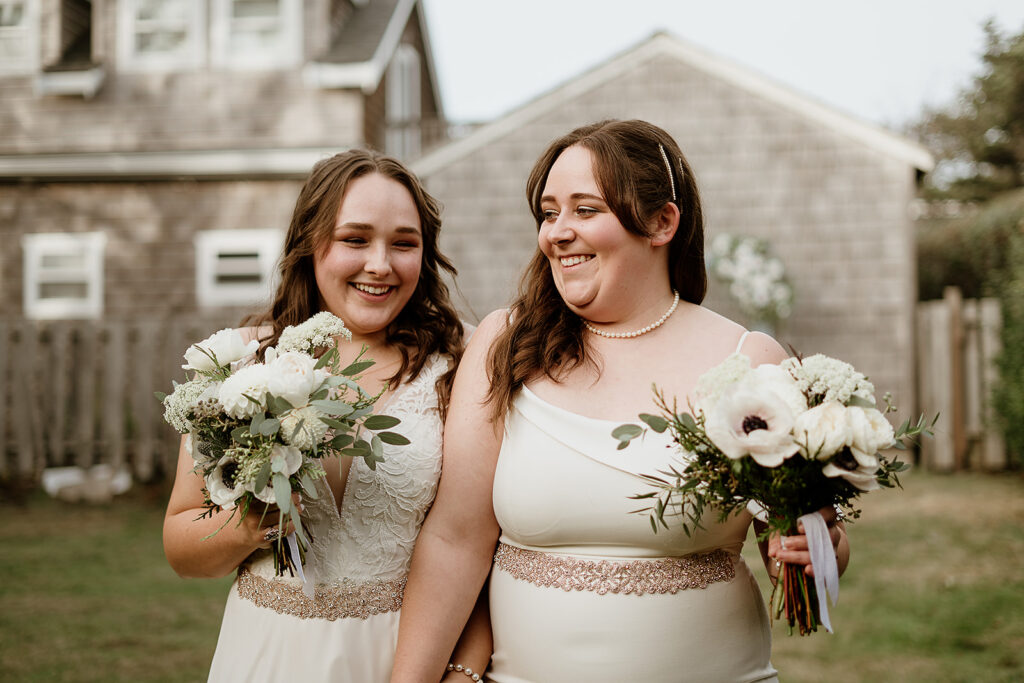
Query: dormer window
[[254, 34], [160, 35], [19, 34]]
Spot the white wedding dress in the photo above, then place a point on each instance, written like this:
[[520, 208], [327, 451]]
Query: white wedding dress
[[360, 558], [582, 590]]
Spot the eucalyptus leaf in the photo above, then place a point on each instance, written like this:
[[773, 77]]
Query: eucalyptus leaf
[[687, 421], [262, 477], [240, 435], [160, 396], [377, 448], [342, 440], [323, 360], [860, 402], [298, 428], [655, 422], [320, 394], [270, 426], [357, 367], [339, 408], [309, 486], [254, 426], [333, 423], [282, 493], [376, 422], [393, 438], [627, 431]]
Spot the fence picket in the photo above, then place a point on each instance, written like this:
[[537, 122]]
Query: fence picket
[[5, 330], [113, 394]]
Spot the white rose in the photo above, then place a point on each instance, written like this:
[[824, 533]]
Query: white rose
[[225, 346], [869, 430], [221, 483], [823, 430], [292, 377], [756, 424], [250, 381]]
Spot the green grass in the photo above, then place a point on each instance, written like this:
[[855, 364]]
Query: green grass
[[935, 592]]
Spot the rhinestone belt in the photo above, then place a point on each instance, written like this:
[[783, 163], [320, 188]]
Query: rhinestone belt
[[340, 601], [637, 577]]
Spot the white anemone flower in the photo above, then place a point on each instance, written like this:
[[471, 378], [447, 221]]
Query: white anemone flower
[[854, 466], [758, 424], [221, 483]]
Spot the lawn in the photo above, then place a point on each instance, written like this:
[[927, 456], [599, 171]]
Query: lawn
[[935, 592]]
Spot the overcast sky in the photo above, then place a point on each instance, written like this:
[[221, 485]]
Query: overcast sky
[[880, 60]]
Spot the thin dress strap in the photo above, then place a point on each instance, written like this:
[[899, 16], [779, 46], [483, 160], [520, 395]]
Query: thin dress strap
[[742, 339]]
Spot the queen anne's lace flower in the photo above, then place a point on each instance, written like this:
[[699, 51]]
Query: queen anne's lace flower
[[822, 379], [182, 401], [316, 333], [715, 381]]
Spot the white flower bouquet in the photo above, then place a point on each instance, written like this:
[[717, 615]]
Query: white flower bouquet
[[756, 279], [258, 431], [785, 441]]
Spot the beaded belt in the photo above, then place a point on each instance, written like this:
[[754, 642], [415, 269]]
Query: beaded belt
[[664, 575], [341, 601]]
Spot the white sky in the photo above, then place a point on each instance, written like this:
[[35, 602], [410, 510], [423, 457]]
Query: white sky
[[880, 60]]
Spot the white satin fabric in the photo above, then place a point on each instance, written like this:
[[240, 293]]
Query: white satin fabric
[[371, 540], [561, 487]]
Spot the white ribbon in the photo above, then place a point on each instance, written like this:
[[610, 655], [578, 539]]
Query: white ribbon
[[823, 559], [308, 585]]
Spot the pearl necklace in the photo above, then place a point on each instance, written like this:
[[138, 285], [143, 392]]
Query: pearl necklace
[[643, 330]]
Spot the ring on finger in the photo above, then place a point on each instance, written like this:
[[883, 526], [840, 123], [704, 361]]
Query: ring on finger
[[273, 533], [782, 541]]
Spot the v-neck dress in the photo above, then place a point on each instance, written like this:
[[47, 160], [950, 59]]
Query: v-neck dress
[[583, 590], [360, 559]]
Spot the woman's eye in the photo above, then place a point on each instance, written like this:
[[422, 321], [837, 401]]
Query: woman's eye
[[355, 241], [406, 245], [585, 211], [549, 215]]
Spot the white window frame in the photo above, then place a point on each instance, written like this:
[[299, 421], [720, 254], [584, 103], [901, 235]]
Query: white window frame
[[36, 247], [190, 55], [404, 104], [288, 53], [211, 244], [27, 30]]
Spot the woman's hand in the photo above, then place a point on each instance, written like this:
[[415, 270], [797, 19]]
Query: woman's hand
[[262, 520], [794, 550]]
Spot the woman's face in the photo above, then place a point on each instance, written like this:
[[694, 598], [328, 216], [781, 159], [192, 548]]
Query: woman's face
[[594, 260], [369, 269]]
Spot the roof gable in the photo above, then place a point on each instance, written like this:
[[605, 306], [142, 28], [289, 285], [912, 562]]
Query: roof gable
[[662, 44]]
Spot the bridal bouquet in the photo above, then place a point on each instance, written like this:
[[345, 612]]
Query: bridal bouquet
[[786, 439], [258, 431]]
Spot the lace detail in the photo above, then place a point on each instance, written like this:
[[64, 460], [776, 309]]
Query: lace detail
[[372, 538], [639, 577]]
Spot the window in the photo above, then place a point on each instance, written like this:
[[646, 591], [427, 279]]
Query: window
[[63, 275], [257, 33], [236, 267], [403, 104], [19, 32], [161, 34]]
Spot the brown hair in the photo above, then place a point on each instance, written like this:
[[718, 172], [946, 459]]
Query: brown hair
[[428, 323], [543, 335]]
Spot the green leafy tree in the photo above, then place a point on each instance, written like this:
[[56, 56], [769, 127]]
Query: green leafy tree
[[979, 140]]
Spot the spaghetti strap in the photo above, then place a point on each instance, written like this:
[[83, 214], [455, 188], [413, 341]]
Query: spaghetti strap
[[742, 339]]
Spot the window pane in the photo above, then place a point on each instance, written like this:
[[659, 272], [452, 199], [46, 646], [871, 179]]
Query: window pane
[[173, 11], [241, 9], [238, 268], [63, 260], [63, 290], [11, 14], [163, 41]]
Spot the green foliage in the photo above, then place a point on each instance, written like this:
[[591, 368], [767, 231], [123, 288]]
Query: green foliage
[[1009, 393], [980, 139]]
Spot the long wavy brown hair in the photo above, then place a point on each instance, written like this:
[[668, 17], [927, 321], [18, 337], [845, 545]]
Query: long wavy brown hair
[[543, 335], [428, 322]]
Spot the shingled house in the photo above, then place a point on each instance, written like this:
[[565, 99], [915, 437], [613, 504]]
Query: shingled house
[[831, 194], [151, 150]]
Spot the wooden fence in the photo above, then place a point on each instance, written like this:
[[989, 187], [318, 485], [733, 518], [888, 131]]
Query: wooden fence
[[81, 393], [957, 343]]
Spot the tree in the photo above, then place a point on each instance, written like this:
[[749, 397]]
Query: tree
[[979, 140]]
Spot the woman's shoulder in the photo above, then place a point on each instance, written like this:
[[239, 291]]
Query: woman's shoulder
[[493, 324], [729, 334]]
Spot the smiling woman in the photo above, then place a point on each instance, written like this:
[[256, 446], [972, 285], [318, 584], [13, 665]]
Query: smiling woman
[[362, 245]]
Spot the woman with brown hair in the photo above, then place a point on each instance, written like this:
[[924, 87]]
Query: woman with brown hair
[[362, 244], [579, 589]]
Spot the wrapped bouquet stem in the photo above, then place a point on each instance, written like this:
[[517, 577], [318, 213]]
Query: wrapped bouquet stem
[[787, 439]]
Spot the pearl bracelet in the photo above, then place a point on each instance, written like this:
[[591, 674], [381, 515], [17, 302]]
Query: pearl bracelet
[[464, 670]]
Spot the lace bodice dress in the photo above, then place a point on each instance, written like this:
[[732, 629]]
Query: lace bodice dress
[[582, 590], [359, 560]]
